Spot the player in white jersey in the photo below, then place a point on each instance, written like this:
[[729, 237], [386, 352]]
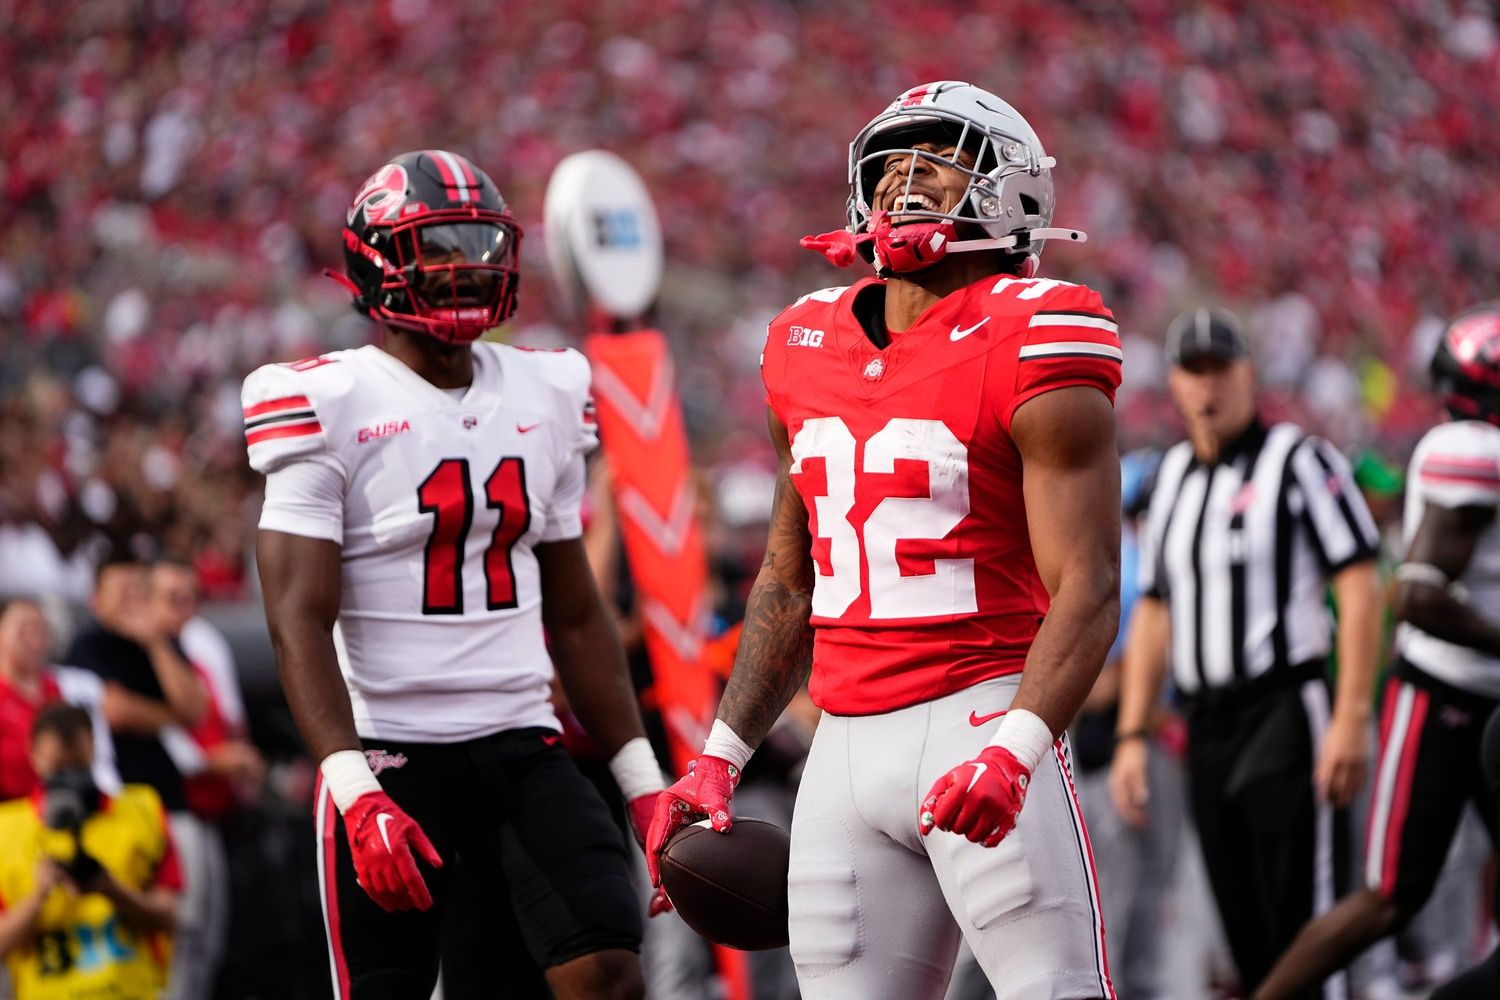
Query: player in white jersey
[[1446, 679], [420, 530]]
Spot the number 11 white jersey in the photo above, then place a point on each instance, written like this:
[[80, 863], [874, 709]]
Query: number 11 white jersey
[[438, 501]]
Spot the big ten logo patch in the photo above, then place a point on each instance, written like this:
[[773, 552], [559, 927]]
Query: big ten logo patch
[[802, 336], [619, 229]]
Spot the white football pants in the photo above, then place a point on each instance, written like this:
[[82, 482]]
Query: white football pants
[[877, 910]]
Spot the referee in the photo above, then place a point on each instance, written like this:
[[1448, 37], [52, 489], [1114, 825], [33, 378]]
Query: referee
[[1248, 526]]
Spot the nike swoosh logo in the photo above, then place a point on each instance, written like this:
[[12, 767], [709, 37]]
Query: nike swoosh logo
[[959, 334], [523, 430], [382, 819], [551, 741], [979, 720], [979, 770]]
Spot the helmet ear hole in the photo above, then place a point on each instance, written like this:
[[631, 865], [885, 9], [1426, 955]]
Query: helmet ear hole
[[1029, 204]]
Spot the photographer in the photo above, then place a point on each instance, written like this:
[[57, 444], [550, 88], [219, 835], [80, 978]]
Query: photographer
[[88, 882]]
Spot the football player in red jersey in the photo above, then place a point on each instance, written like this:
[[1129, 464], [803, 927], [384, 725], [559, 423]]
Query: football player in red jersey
[[421, 527], [944, 559]]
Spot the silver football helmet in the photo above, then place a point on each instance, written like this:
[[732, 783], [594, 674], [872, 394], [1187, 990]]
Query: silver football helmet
[[1009, 193]]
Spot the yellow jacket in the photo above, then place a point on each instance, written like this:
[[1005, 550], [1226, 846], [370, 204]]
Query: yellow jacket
[[80, 949]]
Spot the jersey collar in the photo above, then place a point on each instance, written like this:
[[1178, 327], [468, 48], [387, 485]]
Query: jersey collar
[[406, 376]]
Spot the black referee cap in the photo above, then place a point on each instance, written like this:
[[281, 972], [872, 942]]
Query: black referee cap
[[1206, 333]]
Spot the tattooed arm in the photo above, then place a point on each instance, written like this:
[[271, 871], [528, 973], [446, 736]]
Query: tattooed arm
[[774, 658], [775, 653]]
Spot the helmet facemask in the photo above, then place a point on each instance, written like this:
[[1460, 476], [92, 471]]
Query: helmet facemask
[[454, 271], [984, 170], [1008, 190]]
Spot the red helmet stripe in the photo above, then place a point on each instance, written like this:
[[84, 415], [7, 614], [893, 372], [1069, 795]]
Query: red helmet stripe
[[448, 166], [449, 178], [468, 169]]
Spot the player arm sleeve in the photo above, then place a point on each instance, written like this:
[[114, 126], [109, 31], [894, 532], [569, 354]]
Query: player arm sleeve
[[564, 518], [1071, 339], [1340, 525], [770, 367], [1459, 470], [306, 498], [281, 420]]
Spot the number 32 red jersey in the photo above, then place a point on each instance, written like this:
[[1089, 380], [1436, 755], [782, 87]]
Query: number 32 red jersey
[[925, 578]]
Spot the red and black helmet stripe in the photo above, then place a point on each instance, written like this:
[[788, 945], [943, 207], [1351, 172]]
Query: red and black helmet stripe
[[457, 173]]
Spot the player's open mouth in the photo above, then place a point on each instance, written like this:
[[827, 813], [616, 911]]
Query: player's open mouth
[[915, 201]]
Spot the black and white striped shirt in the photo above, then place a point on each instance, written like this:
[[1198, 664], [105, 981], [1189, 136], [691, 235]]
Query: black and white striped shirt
[[1242, 550]]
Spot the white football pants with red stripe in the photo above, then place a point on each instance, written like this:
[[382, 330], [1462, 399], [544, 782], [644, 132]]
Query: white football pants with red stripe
[[877, 910]]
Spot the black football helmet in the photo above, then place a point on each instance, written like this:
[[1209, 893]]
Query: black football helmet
[[431, 246], [1466, 367]]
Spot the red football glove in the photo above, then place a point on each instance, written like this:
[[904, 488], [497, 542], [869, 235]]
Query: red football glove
[[979, 799], [704, 791], [642, 809], [382, 838]]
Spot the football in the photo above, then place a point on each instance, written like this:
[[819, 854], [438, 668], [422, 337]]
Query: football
[[730, 887]]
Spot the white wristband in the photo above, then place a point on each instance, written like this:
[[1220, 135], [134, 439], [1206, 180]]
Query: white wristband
[[1422, 573], [1024, 734], [1430, 574], [348, 776], [636, 770], [726, 743]]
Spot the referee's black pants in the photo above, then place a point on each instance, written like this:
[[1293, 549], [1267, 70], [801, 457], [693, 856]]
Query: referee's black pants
[[1274, 854]]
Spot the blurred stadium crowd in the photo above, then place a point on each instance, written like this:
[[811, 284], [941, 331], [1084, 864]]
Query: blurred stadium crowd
[[173, 175]]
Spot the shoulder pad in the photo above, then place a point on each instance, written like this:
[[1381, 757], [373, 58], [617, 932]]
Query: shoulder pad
[[1066, 336], [569, 375], [832, 294], [282, 406], [1457, 464], [1046, 294], [811, 302], [563, 368], [1473, 438]]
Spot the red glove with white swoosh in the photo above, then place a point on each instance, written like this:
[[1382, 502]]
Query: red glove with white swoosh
[[382, 838], [981, 798], [978, 799]]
